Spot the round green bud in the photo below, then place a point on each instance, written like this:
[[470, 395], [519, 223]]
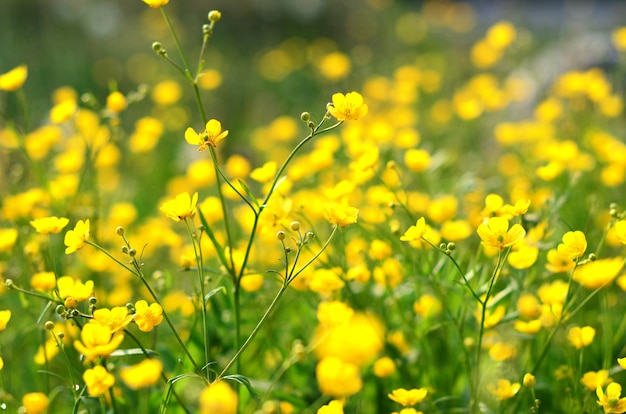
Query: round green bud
[[93, 300], [125, 249], [132, 252], [451, 246], [60, 309], [305, 116], [592, 257], [157, 47], [280, 235], [119, 230], [214, 16], [294, 225], [49, 325]]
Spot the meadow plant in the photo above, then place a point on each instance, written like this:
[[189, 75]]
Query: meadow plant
[[443, 241]]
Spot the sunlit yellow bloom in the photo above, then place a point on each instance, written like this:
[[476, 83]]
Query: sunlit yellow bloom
[[619, 38], [598, 273], [348, 107], [44, 281], [574, 244], [503, 390], [13, 79], [218, 398], [98, 380], [5, 316], [611, 401], [337, 378], [529, 380], [592, 380], [558, 262], [116, 102], [75, 239], [265, 173], [334, 66], [417, 160], [427, 306], [181, 207], [47, 225], [523, 256], [341, 214], [492, 317], [581, 337], [501, 34], [71, 287], [116, 318], [384, 367], [622, 362], [147, 317], [333, 407], [495, 234], [144, 374], [333, 313], [8, 237], [156, 3], [501, 351], [211, 135], [408, 397], [35, 403], [415, 232], [620, 231], [97, 341], [530, 327]]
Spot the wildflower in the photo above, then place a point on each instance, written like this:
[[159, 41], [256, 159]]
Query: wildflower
[[415, 232], [492, 317], [1, 363], [144, 374], [147, 317], [495, 234], [35, 403], [580, 337], [417, 160], [503, 390], [211, 135], [334, 66], [384, 367], [592, 380], [98, 380], [265, 173], [341, 214], [523, 256], [47, 225], [611, 401], [348, 107], [97, 341], [218, 398], [529, 380], [13, 79], [116, 318], [618, 38], [558, 262], [338, 378], [598, 273], [75, 239], [181, 207], [622, 362], [74, 288], [116, 102], [8, 237], [574, 244], [501, 351], [333, 407], [530, 327], [620, 231], [156, 3], [427, 306], [5, 316], [334, 313], [408, 397]]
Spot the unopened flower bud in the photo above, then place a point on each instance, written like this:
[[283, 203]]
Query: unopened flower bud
[[119, 230], [529, 380], [93, 300], [206, 29], [214, 16], [49, 325], [280, 235], [60, 309], [157, 47], [125, 249], [70, 302], [294, 225], [592, 257], [132, 252], [451, 246], [305, 116]]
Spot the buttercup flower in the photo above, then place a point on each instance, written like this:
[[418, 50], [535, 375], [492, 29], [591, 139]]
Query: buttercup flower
[[116, 102], [75, 239], [620, 231], [144, 374], [218, 398], [35, 403], [333, 407], [495, 234], [580, 337], [574, 244], [415, 232], [337, 378], [211, 135], [13, 79], [147, 317], [504, 390], [116, 318], [156, 3], [592, 379], [5, 316], [408, 397], [74, 288], [8, 237], [98, 380], [97, 341], [47, 225], [348, 107], [181, 207], [341, 214], [611, 401]]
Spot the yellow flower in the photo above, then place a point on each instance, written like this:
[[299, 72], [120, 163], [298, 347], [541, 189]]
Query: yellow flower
[[592, 380], [384, 367], [98, 380], [622, 362], [620, 231], [558, 262], [333, 407], [599, 273], [580, 337], [611, 401], [13, 79], [503, 390], [5, 316], [211, 135], [574, 244], [334, 313], [116, 102], [348, 107], [35, 403], [341, 214], [1, 363], [116, 318], [75, 239], [74, 288], [529, 380], [97, 341], [415, 232], [47, 225], [337, 378], [181, 207], [147, 317], [218, 398], [8, 237], [265, 173], [144, 374], [408, 397], [495, 234], [156, 3], [619, 38]]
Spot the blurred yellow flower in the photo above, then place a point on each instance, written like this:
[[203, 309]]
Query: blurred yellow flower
[[338, 379], [116, 102], [98, 380], [147, 317], [44, 281], [417, 160], [75, 239], [8, 237], [334, 66], [592, 379], [495, 234], [558, 262], [13, 79], [341, 214], [156, 3], [574, 244], [218, 398], [408, 397], [5, 316], [166, 92], [47, 225], [333, 313], [116, 318], [181, 207], [333, 407], [581, 337], [619, 38], [611, 401], [348, 107], [265, 173], [598, 273], [97, 341], [35, 403], [504, 389], [384, 367], [142, 375], [211, 135], [620, 231]]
